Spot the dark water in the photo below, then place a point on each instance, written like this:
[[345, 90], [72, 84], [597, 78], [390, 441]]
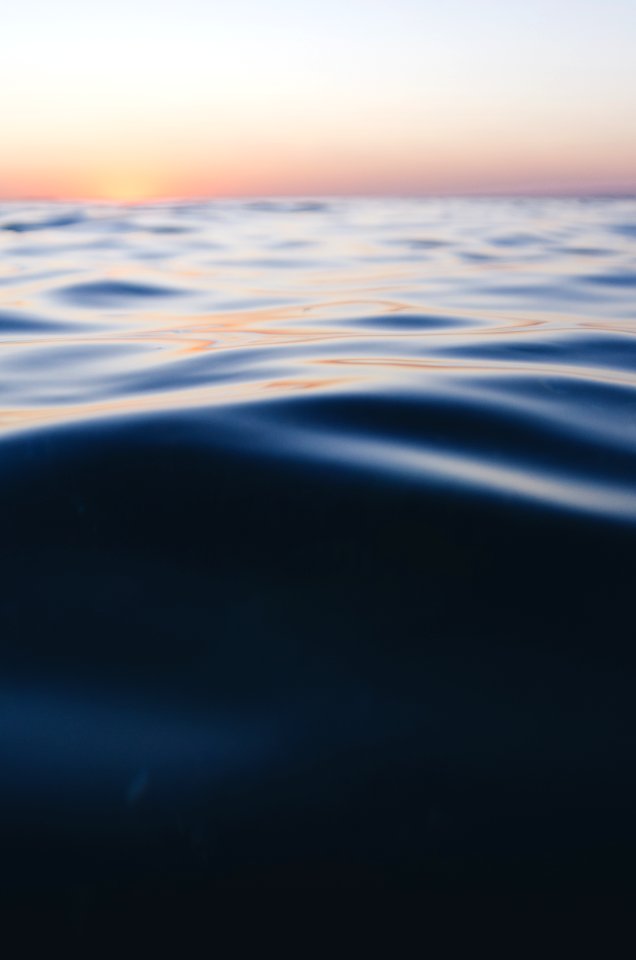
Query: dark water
[[318, 526]]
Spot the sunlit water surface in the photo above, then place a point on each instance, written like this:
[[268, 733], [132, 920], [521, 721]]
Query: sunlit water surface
[[318, 538], [482, 343]]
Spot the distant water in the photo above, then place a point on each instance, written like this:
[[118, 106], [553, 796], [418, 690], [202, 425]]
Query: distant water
[[318, 530]]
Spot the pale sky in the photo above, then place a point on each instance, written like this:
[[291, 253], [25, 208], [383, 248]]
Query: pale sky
[[132, 98]]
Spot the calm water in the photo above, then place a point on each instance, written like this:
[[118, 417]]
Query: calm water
[[318, 525]]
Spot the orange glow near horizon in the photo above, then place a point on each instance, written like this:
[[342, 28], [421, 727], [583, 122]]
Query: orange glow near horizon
[[349, 97], [120, 187], [436, 164], [288, 174]]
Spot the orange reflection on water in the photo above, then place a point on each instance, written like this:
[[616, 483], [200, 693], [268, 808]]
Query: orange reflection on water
[[13, 419]]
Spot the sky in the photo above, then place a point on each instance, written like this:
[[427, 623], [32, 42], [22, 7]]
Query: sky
[[139, 99]]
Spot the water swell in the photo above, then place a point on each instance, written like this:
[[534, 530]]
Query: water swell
[[321, 565]]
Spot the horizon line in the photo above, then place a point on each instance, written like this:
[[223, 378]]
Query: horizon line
[[617, 193]]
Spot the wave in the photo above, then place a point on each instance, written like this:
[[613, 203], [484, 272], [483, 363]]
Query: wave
[[316, 569], [344, 319]]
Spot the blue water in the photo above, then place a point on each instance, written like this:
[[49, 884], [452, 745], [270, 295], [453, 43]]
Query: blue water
[[318, 524]]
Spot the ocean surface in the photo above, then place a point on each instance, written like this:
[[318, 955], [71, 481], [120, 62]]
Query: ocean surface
[[318, 527]]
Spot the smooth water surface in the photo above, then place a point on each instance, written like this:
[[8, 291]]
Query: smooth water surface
[[318, 527]]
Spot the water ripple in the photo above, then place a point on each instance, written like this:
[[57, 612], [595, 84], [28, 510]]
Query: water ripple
[[446, 341]]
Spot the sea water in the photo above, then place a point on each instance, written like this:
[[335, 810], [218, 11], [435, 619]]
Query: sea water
[[317, 558]]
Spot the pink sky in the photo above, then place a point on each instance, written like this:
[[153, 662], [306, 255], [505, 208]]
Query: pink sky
[[360, 96]]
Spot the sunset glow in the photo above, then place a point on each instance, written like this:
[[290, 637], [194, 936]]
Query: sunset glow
[[361, 97]]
